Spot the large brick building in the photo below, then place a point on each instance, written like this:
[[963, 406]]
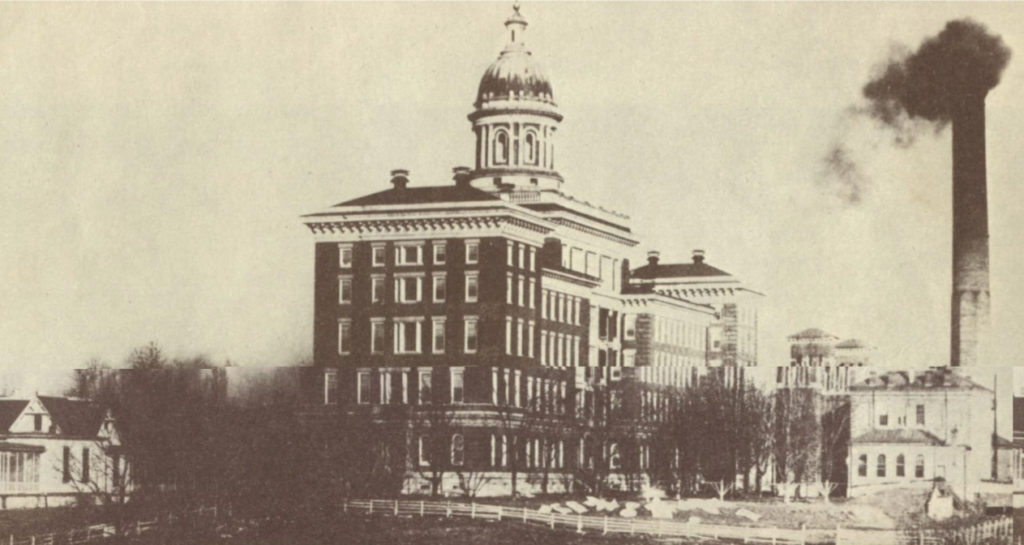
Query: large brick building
[[500, 296]]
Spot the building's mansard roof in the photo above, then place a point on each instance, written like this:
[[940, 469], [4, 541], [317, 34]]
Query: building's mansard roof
[[851, 344], [923, 380], [421, 195], [898, 436], [676, 270], [811, 334]]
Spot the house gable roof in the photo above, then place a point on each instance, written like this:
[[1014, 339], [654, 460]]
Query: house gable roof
[[10, 410], [74, 417], [927, 379]]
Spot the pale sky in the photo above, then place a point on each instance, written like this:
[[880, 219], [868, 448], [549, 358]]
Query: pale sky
[[157, 157]]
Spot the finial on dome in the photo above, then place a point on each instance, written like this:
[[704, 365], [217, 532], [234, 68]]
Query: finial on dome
[[516, 25]]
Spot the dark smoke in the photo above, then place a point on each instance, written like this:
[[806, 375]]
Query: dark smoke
[[961, 62], [842, 177]]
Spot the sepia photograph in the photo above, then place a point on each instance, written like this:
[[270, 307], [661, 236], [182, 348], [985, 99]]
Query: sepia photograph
[[503, 272]]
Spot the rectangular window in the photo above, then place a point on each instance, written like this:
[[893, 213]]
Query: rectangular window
[[331, 388], [408, 289], [363, 388], [472, 287], [529, 294], [511, 250], [424, 459], [458, 450], [529, 339], [37, 422], [440, 288], [345, 256], [543, 347], [440, 253], [385, 387], [508, 336], [345, 289], [508, 288], [457, 380], [629, 328], [920, 415], [522, 291], [405, 388], [472, 251], [471, 335], [533, 259], [408, 334], [423, 395], [409, 254], [883, 420], [519, 338], [544, 304], [439, 338], [522, 256], [344, 336], [377, 336], [377, 289], [378, 255], [85, 465]]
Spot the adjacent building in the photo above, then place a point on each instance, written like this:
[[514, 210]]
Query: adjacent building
[[55, 450]]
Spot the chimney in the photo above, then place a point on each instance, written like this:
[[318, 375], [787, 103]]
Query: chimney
[[461, 176], [400, 178], [970, 304], [698, 256], [653, 256]]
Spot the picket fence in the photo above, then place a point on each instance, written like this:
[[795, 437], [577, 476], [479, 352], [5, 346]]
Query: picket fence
[[101, 532], [994, 532]]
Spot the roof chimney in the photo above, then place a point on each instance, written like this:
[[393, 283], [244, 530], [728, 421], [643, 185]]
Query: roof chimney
[[400, 178], [698, 256], [653, 256], [461, 176]]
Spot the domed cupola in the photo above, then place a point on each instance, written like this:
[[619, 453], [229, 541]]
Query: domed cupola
[[515, 119]]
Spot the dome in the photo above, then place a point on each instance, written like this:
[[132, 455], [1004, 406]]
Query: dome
[[514, 76]]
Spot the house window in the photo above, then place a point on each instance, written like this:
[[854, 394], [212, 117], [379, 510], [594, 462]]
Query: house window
[[378, 255], [385, 387], [919, 466], [409, 254], [345, 256], [470, 325], [423, 394], [900, 461], [457, 382], [862, 465], [472, 287], [881, 466], [424, 459], [614, 460], [440, 253], [883, 420], [440, 288], [438, 326], [408, 334], [331, 388], [377, 289], [344, 336], [920, 415], [377, 336], [458, 450], [67, 464], [408, 289], [472, 251], [345, 289], [85, 465], [37, 422], [363, 388]]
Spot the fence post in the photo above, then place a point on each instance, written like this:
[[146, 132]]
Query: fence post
[[803, 533], [604, 529], [524, 514], [631, 527], [552, 520], [448, 509], [775, 535], [499, 513], [370, 512], [421, 508], [344, 505], [920, 537], [396, 508], [839, 528], [579, 524], [472, 510]]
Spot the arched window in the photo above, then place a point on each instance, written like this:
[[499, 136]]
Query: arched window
[[531, 148], [862, 465], [919, 466], [614, 460], [501, 148], [458, 450], [899, 465], [881, 465]]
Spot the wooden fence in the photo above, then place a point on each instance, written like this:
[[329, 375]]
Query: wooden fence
[[992, 532], [100, 532]]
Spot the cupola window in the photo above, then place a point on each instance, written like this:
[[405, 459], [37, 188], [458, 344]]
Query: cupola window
[[501, 148], [531, 148]]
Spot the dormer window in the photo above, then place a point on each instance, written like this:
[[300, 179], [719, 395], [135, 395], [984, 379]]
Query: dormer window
[[37, 422]]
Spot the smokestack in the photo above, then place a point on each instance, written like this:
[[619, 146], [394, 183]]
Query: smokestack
[[653, 256], [698, 256], [946, 81], [461, 176], [970, 304]]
